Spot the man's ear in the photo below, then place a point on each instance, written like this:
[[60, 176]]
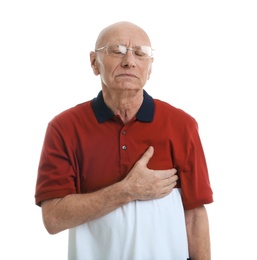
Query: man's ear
[[94, 63]]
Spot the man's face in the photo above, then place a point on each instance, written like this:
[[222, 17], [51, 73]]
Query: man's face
[[123, 72]]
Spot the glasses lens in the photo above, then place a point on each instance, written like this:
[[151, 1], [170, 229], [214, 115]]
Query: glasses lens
[[121, 50], [116, 50], [143, 51]]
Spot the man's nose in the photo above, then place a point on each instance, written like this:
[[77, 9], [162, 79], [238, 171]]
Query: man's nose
[[129, 59]]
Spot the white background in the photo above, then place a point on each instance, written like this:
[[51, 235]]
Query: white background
[[205, 63]]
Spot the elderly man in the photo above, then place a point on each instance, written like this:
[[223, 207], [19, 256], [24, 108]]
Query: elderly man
[[124, 172]]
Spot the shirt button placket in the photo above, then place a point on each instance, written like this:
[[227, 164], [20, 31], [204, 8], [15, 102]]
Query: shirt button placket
[[123, 140]]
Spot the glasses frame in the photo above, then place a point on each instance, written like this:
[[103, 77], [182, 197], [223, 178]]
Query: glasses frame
[[127, 49]]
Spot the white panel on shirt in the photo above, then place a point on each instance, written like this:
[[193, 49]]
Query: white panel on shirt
[[140, 230]]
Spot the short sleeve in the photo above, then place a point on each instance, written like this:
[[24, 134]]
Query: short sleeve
[[56, 175], [194, 177]]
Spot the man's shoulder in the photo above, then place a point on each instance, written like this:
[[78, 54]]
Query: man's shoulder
[[169, 110], [73, 113]]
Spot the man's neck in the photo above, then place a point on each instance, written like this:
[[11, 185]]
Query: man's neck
[[124, 103]]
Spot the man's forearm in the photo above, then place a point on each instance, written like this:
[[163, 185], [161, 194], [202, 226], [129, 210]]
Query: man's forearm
[[76, 209], [198, 234]]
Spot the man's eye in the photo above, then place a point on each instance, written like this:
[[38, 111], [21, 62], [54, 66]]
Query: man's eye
[[116, 51], [140, 53]]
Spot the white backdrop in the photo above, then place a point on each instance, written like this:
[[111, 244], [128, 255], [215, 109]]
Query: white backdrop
[[205, 63]]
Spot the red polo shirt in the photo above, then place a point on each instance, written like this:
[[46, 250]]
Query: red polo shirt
[[87, 148]]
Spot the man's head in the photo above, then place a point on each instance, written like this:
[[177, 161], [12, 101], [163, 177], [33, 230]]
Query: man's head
[[122, 57]]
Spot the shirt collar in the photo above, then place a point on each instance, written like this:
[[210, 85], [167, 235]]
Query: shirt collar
[[103, 112]]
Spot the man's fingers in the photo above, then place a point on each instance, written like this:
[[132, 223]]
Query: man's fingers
[[164, 174]]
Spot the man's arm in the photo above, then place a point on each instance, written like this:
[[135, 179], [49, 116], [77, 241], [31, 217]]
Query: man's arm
[[140, 184], [197, 225]]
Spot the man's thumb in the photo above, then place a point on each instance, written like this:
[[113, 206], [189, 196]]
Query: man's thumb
[[147, 155]]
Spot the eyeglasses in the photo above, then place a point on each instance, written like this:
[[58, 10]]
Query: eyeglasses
[[119, 51]]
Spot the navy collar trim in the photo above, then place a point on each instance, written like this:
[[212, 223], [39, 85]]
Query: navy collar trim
[[104, 113]]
